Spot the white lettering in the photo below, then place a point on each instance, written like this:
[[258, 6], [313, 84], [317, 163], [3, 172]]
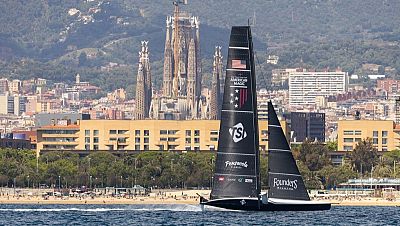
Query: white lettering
[[236, 164], [285, 184]]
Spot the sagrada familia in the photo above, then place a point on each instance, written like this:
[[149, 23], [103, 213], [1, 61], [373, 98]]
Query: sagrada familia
[[182, 95]]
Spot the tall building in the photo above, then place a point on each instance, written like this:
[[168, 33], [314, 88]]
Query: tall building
[[305, 125], [181, 96], [143, 84], [304, 87], [12, 104], [215, 99], [3, 85]]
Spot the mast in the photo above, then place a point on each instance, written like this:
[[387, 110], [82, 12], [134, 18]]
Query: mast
[[284, 179], [237, 166]]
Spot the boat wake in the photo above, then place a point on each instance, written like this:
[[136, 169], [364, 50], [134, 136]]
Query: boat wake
[[152, 208]]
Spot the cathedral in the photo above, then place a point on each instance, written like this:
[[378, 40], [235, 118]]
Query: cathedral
[[182, 96]]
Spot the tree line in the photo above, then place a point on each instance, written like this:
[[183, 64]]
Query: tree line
[[21, 168]]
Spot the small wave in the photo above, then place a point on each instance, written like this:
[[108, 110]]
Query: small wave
[[172, 207]]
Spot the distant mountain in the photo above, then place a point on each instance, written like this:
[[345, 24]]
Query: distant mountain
[[57, 32]]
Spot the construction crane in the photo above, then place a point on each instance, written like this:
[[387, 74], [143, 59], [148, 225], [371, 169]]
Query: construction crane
[[175, 83]]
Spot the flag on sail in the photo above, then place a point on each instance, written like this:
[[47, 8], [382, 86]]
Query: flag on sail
[[238, 97], [239, 64]]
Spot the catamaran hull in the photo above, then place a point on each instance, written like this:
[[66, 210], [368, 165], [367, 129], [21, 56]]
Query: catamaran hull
[[255, 205]]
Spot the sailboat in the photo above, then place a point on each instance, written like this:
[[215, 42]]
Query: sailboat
[[236, 182]]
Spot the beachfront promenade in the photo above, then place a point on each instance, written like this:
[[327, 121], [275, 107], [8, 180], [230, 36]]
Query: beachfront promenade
[[167, 196]]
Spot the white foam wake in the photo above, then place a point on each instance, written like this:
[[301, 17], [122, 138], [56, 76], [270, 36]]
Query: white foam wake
[[161, 207]]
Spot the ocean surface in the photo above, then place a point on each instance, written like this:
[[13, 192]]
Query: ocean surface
[[188, 215]]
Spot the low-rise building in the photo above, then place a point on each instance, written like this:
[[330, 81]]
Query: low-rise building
[[137, 135], [384, 135]]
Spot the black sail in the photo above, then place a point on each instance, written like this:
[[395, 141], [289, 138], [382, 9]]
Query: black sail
[[284, 179], [237, 163]]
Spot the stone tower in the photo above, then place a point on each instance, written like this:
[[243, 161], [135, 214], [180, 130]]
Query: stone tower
[[143, 84], [215, 97], [167, 76]]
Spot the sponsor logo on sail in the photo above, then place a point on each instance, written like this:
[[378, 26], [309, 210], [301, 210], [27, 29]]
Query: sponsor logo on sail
[[283, 184], [248, 180], [237, 132], [236, 164], [240, 180], [231, 179]]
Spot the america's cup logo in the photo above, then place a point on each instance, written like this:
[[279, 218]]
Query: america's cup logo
[[237, 132]]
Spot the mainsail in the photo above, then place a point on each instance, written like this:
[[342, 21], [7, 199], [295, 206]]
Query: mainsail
[[284, 179], [237, 162]]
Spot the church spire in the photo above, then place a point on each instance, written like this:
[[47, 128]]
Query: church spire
[[215, 98], [167, 76], [143, 84]]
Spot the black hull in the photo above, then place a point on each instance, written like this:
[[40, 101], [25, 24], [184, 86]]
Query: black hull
[[254, 205]]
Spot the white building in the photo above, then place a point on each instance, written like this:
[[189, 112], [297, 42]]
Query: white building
[[304, 87]]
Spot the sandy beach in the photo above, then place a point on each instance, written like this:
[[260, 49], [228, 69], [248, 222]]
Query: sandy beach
[[165, 197]]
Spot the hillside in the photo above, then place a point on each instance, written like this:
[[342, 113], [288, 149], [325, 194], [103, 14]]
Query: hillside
[[60, 38]]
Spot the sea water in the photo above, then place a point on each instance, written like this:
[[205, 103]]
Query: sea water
[[188, 215]]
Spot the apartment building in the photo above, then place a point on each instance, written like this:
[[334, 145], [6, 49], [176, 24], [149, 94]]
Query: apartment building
[[137, 135], [384, 135], [304, 87]]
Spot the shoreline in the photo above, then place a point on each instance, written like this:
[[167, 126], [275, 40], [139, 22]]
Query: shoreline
[[170, 201], [171, 197]]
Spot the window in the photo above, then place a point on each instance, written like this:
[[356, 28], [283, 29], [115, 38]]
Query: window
[[122, 131], [161, 147], [146, 147], [188, 140], [188, 133], [95, 132], [384, 140], [264, 133], [113, 131], [357, 132], [264, 139], [172, 132], [87, 140], [163, 139], [137, 139], [214, 138], [172, 139], [212, 148], [87, 146], [87, 132], [95, 140], [348, 132], [197, 133], [113, 139], [214, 133], [347, 140], [162, 132], [384, 149], [384, 133], [375, 140], [121, 140], [197, 148], [357, 140], [95, 147], [375, 133], [348, 148], [146, 133], [137, 132], [196, 140], [137, 147], [146, 140], [188, 148]]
